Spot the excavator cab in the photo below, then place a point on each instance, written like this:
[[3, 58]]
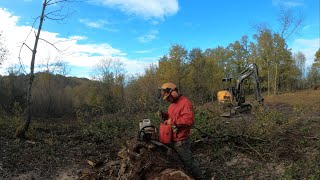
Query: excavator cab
[[233, 96], [225, 96]]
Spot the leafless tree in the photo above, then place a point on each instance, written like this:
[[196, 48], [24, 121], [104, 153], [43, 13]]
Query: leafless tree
[[53, 10], [54, 66], [3, 49], [62, 68], [14, 69], [300, 60], [290, 21], [108, 68]]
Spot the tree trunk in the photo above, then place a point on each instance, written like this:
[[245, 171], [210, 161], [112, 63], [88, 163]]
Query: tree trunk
[[268, 79], [275, 90], [22, 131]]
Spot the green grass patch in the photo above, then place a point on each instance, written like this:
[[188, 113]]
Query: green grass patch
[[115, 128]]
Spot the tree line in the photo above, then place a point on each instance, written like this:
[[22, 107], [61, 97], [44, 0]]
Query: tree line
[[196, 72]]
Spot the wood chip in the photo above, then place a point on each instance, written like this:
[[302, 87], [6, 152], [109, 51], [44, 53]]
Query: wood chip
[[31, 142], [112, 163], [91, 163]]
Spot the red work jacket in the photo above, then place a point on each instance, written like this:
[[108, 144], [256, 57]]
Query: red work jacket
[[181, 114]]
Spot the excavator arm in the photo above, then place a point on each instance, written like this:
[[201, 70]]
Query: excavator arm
[[251, 71], [235, 94]]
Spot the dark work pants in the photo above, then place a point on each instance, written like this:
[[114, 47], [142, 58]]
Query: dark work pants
[[183, 148]]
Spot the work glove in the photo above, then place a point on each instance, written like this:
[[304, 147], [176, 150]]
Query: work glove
[[173, 127], [161, 114]]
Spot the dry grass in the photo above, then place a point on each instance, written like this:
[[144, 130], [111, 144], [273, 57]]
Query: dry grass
[[281, 140], [306, 97]]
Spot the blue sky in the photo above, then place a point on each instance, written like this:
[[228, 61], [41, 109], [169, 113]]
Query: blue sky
[[138, 32]]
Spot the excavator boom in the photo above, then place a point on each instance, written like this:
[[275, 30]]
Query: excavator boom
[[234, 96]]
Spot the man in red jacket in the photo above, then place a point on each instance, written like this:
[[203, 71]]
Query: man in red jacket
[[181, 117]]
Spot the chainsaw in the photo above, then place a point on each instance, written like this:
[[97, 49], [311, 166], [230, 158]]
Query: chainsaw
[[147, 132]]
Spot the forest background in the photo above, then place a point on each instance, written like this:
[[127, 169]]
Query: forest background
[[71, 113], [196, 72]]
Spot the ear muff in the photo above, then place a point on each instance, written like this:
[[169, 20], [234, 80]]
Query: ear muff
[[174, 94]]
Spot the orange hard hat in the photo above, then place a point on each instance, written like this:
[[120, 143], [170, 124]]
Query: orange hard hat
[[166, 89]]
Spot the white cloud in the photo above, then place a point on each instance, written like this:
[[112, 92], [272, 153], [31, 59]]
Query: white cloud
[[306, 27], [308, 47], [94, 24], [138, 66], [288, 3], [151, 35], [154, 22], [8, 19], [99, 24], [144, 8], [144, 51], [74, 53]]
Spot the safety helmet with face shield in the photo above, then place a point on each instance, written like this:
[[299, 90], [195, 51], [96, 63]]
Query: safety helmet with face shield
[[166, 89]]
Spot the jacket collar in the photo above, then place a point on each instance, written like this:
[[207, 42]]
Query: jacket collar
[[177, 99]]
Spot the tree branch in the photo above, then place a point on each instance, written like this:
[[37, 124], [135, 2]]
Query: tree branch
[[57, 17], [254, 150], [52, 44], [19, 57], [52, 12], [55, 2], [31, 28]]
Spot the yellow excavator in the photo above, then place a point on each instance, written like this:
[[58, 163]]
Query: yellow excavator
[[233, 98]]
